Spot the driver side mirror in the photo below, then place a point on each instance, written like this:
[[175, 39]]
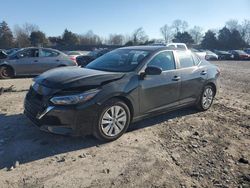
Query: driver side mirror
[[153, 70]]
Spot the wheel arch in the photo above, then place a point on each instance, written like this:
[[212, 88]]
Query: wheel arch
[[213, 85], [127, 101], [8, 65]]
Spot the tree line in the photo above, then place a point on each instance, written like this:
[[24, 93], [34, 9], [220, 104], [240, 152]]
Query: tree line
[[234, 35]]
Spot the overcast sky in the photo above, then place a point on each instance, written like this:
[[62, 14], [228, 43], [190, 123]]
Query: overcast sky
[[120, 16]]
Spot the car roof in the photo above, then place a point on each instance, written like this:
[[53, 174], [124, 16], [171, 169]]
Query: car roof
[[147, 48], [39, 48]]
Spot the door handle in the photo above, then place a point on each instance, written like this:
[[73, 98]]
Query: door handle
[[35, 60], [203, 72], [57, 60], [176, 78]]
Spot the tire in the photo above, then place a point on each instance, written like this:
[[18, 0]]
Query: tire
[[206, 98], [113, 120], [6, 72]]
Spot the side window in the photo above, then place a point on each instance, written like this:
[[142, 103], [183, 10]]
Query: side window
[[196, 59], [185, 59], [48, 53], [28, 53], [181, 47], [164, 60]]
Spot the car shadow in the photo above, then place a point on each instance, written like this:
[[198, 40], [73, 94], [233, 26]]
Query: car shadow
[[23, 142]]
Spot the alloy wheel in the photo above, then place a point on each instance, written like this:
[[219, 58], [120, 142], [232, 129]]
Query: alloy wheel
[[207, 98], [114, 121]]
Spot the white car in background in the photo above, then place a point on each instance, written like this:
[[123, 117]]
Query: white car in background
[[74, 54], [181, 46], [200, 53], [211, 55]]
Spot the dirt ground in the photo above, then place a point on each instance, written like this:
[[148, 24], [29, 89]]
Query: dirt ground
[[184, 148]]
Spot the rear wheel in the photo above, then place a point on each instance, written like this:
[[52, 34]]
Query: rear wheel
[[6, 72], [113, 121], [206, 98]]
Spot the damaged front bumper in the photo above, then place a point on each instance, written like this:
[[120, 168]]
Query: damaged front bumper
[[66, 120]]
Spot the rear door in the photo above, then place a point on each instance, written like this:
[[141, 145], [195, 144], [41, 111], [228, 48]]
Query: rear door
[[48, 59], [158, 92], [193, 76]]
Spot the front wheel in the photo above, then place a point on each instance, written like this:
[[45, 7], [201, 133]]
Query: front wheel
[[113, 121], [6, 72], [206, 98]]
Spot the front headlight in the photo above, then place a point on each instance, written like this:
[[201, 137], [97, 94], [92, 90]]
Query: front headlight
[[74, 99]]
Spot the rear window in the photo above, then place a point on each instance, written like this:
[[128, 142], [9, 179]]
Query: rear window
[[74, 53], [240, 52], [185, 59], [48, 53], [196, 59], [181, 47]]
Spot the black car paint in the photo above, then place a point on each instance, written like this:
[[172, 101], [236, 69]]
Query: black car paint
[[145, 95], [84, 60]]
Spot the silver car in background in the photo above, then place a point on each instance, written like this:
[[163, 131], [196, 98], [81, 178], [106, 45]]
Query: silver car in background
[[33, 61]]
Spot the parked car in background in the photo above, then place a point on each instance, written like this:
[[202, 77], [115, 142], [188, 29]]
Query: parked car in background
[[247, 50], [83, 60], [179, 46], [74, 54], [12, 50], [122, 86], [3, 54], [157, 44], [239, 54], [33, 61], [210, 55], [200, 53], [223, 55]]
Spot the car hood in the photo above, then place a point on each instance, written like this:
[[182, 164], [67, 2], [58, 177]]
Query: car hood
[[75, 77]]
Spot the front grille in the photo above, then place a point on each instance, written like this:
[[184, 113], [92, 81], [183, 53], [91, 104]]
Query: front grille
[[33, 105], [32, 94]]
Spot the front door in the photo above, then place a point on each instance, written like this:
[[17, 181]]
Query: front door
[[26, 61], [158, 92]]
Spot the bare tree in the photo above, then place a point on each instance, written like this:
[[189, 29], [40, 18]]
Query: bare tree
[[167, 33], [243, 28], [196, 33], [116, 39], [22, 39], [245, 31], [90, 38], [29, 28], [233, 24], [22, 34], [139, 36], [179, 26]]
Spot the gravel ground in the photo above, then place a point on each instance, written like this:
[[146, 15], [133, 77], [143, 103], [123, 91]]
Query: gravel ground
[[184, 148]]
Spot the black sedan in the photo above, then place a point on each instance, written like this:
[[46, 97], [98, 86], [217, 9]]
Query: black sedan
[[122, 86], [83, 60], [240, 55], [223, 55]]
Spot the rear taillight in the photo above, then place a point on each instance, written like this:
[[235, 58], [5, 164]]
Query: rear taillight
[[218, 71], [74, 60], [243, 55]]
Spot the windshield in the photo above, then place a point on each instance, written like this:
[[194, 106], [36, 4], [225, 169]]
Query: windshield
[[120, 60], [240, 52], [73, 53]]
